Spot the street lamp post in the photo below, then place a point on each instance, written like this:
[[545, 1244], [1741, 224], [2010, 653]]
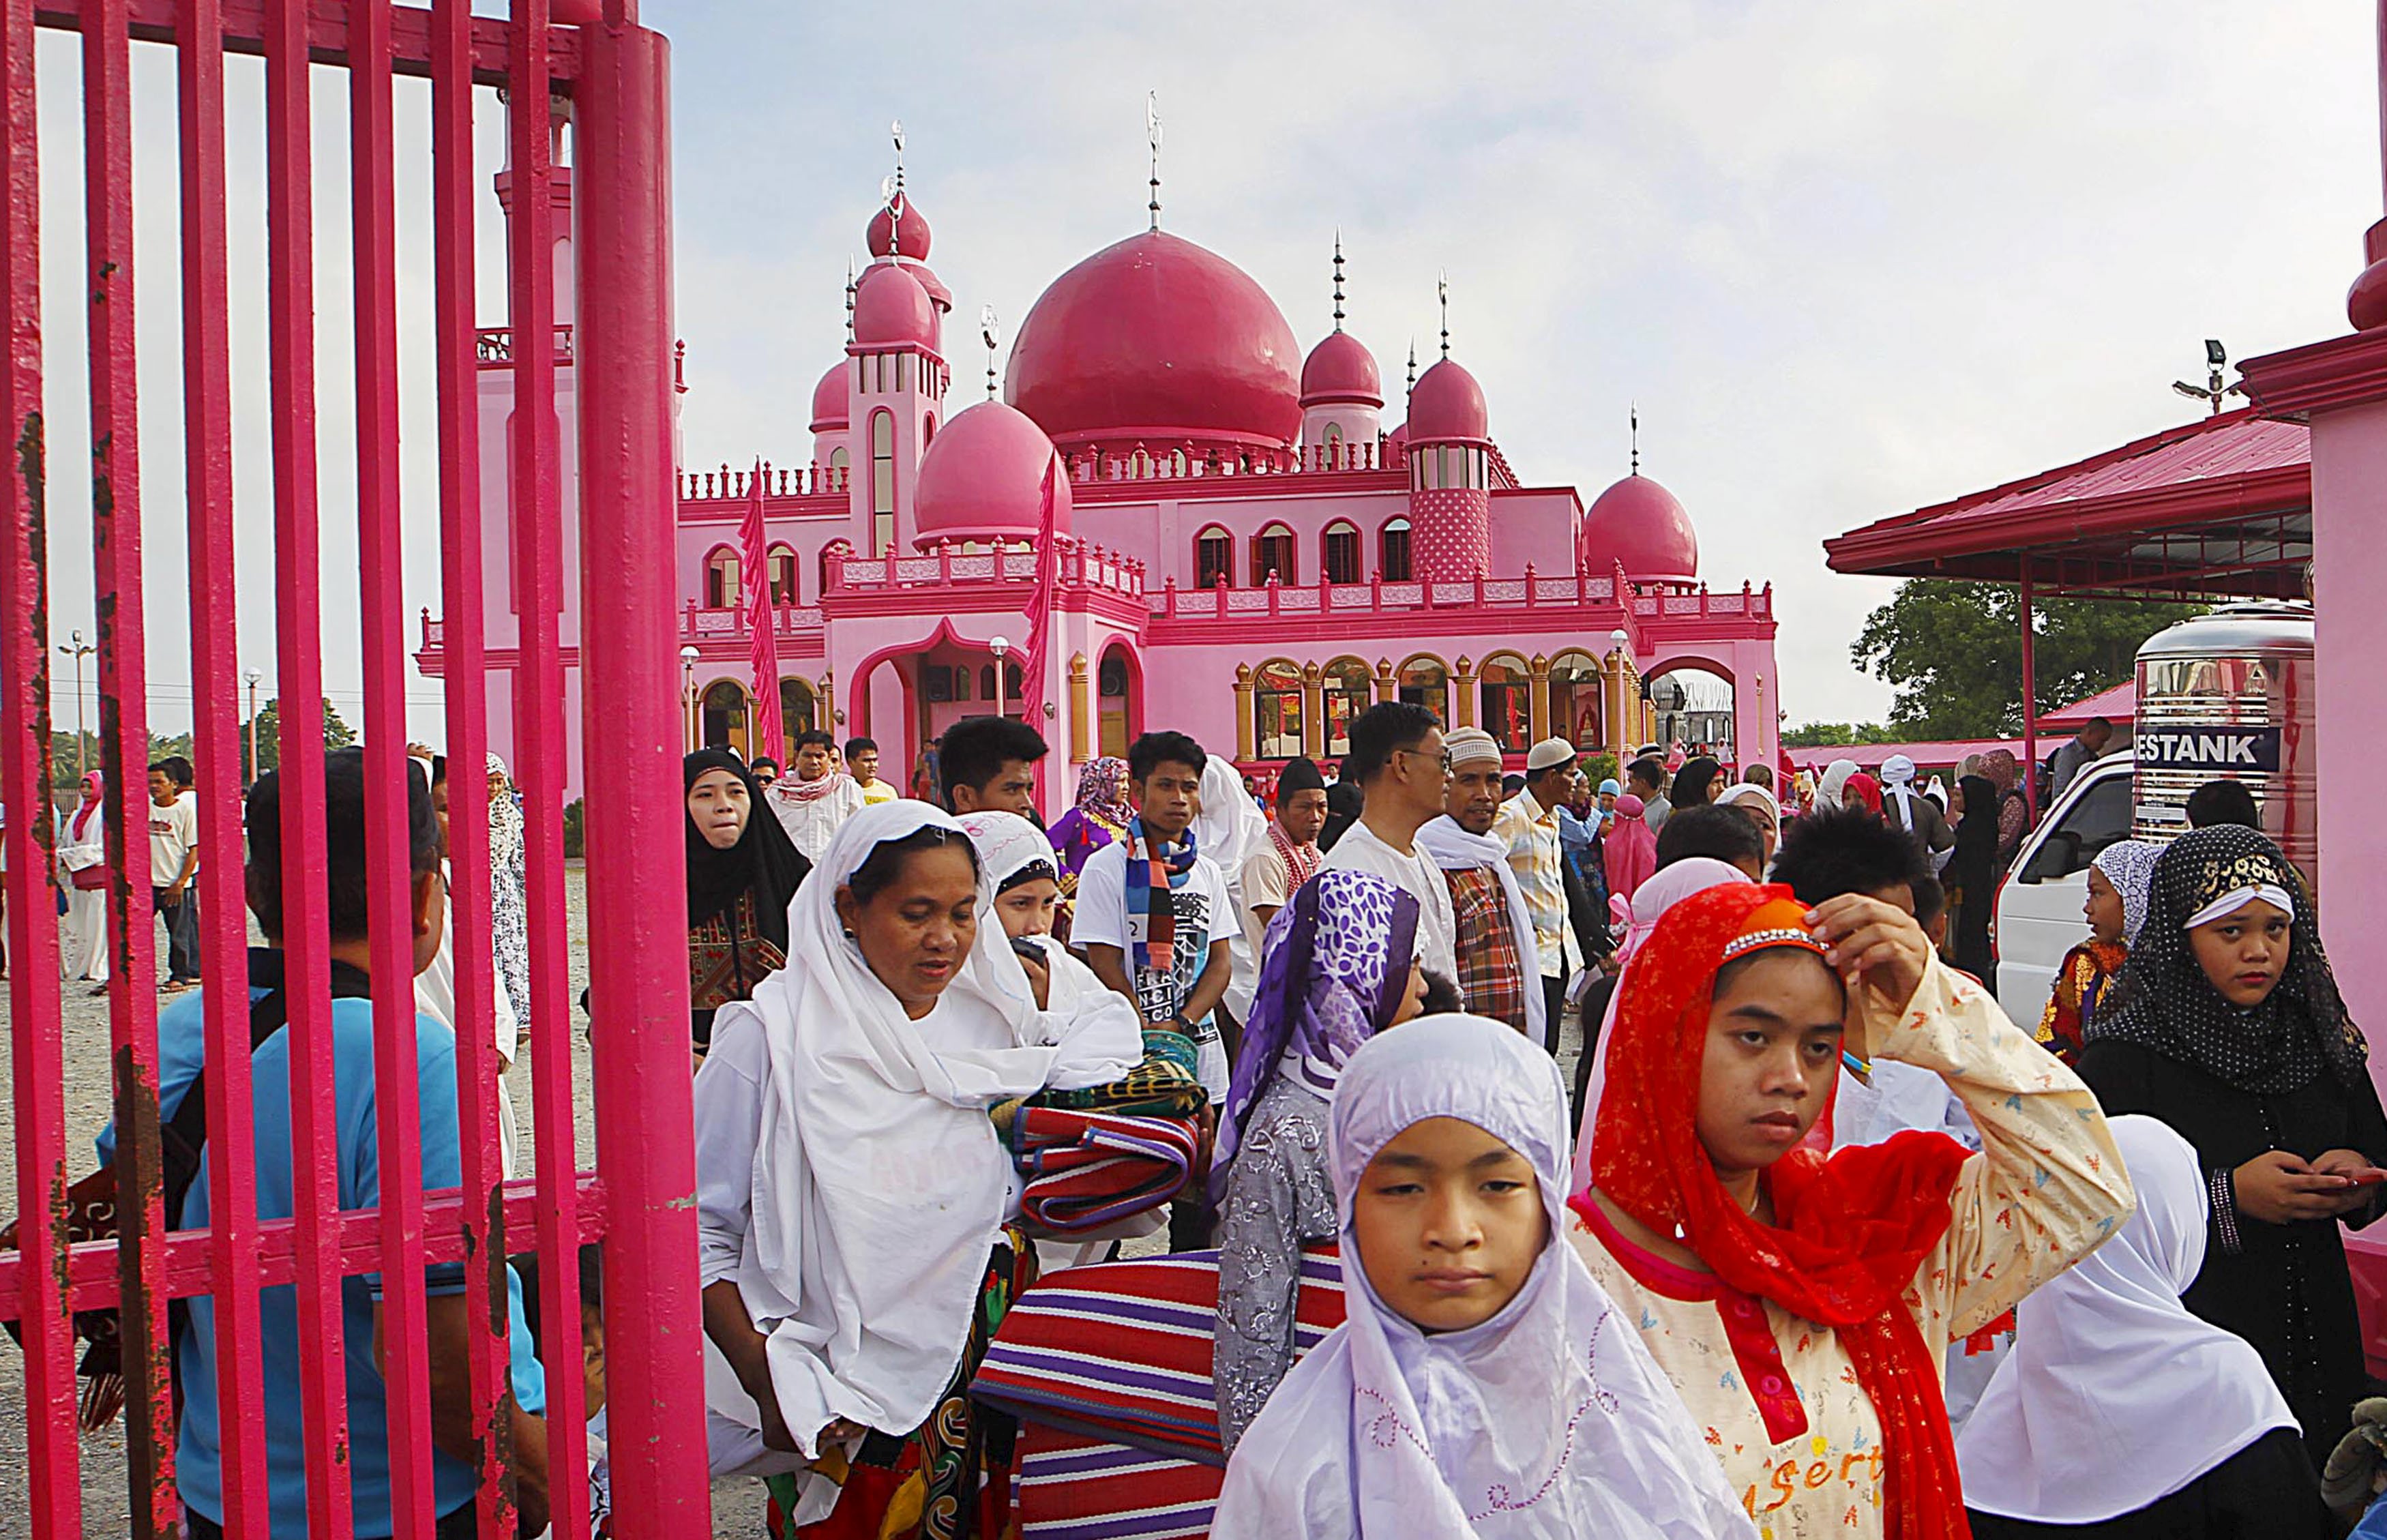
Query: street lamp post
[[1001, 646], [688, 697], [79, 652], [252, 677]]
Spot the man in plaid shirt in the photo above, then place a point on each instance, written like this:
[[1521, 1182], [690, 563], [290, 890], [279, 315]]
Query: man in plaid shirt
[[1496, 931]]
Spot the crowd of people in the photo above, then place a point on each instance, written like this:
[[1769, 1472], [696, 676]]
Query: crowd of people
[[1817, 1242]]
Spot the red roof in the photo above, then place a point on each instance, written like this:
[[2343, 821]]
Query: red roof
[[1927, 756], [2222, 505], [2118, 705]]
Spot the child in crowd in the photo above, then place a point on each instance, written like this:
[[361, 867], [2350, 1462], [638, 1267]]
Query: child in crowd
[[1481, 1384], [2120, 881]]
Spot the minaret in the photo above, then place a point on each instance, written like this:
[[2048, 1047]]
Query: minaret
[[1450, 453], [899, 391], [1342, 395]]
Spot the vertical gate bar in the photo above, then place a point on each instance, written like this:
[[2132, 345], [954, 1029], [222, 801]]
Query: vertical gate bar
[[36, 1045], [630, 689], [538, 730], [455, 359], [215, 737], [124, 753], [388, 866], [299, 707]]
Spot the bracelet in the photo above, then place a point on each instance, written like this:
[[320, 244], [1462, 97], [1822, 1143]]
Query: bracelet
[[2221, 1183], [1861, 1069]]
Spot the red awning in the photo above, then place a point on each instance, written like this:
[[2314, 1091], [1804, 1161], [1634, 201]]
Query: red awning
[[2220, 506]]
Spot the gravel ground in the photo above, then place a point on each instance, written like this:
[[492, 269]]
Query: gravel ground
[[736, 1504]]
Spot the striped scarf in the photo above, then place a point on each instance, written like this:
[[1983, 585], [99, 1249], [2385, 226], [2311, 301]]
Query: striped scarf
[[1301, 862], [1151, 913]]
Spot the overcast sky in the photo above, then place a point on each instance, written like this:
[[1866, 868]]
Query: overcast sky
[[1849, 255]]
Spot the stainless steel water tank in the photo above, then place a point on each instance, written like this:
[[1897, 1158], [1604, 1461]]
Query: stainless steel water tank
[[2229, 696]]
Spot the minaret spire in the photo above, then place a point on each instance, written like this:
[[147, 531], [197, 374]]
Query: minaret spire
[[849, 298], [1442, 292], [1338, 279], [1412, 366], [991, 330], [1152, 132], [896, 130], [1634, 418]]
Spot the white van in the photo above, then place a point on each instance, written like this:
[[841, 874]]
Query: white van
[[2038, 909]]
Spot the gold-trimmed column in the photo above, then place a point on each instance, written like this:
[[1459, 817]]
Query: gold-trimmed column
[[1080, 715], [1313, 710], [1388, 683], [1462, 688], [1537, 695], [1243, 712]]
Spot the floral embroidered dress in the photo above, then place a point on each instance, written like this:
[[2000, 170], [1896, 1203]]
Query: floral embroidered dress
[[2087, 972], [1803, 1444]]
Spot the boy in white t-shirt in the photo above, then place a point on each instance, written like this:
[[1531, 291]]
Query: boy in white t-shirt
[[173, 860]]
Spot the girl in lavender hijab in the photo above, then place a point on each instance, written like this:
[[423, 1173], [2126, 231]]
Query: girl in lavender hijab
[[1330, 982]]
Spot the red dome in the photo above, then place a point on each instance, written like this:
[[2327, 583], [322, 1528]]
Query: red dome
[[1341, 368], [1447, 406], [983, 479], [890, 310], [1639, 525], [911, 235], [1157, 340], [943, 295], [829, 407]]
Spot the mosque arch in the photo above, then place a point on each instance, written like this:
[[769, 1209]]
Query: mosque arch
[[782, 569], [1424, 680], [796, 707], [1118, 696], [1340, 550], [722, 589], [1277, 715], [724, 716], [1577, 697], [1272, 556], [1214, 558], [1349, 688], [1504, 696], [1393, 551]]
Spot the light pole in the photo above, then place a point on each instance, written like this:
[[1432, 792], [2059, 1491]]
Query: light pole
[[687, 697], [1618, 640], [1001, 646], [79, 652], [252, 677]]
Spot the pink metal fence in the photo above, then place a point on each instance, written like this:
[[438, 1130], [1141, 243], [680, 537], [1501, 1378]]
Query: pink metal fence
[[637, 1200]]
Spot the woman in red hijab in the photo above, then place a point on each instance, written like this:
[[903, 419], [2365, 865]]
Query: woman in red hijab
[[1801, 1303], [1864, 791]]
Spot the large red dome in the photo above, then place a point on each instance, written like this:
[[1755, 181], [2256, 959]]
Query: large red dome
[[1158, 341], [983, 479], [1341, 368], [1641, 526]]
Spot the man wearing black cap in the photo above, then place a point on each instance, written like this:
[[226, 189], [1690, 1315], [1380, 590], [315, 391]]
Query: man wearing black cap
[[1289, 857]]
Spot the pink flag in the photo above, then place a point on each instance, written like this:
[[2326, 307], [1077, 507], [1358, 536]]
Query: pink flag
[[1048, 580], [766, 740]]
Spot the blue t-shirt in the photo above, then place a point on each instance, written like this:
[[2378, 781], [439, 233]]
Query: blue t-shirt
[[197, 1454]]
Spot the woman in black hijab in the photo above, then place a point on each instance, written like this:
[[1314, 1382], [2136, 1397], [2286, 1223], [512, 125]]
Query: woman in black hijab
[[2226, 1024], [1697, 783], [1972, 879], [743, 869]]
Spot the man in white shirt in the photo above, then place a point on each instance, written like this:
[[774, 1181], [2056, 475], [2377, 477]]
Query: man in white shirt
[[1289, 856], [1528, 826], [817, 797], [1398, 758], [174, 859]]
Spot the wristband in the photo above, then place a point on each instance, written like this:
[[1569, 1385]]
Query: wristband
[[2221, 1183], [1861, 1069]]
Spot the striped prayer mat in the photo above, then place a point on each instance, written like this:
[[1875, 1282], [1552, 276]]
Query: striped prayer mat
[[1087, 1170]]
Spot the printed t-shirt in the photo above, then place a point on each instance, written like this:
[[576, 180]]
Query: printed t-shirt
[[1416, 873], [1203, 916]]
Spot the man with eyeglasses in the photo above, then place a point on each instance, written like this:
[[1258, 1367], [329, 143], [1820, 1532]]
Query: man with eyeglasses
[[1398, 758]]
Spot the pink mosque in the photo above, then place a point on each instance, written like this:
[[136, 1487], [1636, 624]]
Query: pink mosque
[[1239, 544]]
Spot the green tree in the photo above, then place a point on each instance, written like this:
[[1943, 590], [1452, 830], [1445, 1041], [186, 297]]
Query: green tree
[[1835, 735], [1953, 652], [268, 727]]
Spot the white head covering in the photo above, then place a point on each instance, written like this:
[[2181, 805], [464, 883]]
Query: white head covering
[[1835, 781], [1230, 827], [2114, 1394], [1750, 792], [878, 1181], [1549, 1419], [1669, 887], [1007, 844], [1898, 791], [1452, 849]]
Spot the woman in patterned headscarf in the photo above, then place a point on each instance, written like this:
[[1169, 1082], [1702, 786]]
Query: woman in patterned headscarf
[[2120, 881], [2001, 770], [509, 903], [1101, 816], [2228, 1026]]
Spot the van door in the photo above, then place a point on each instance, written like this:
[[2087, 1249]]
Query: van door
[[2039, 915]]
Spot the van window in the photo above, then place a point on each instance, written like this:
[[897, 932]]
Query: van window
[[2096, 820]]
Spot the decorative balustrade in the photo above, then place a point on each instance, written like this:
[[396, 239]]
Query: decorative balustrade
[[1078, 565], [496, 346], [1530, 592], [728, 486]]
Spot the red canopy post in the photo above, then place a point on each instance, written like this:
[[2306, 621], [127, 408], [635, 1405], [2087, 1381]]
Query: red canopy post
[[2030, 692]]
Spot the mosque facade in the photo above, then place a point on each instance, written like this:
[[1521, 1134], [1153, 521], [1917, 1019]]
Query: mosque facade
[[1176, 519]]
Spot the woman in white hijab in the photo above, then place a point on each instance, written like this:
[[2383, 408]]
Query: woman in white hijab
[[1229, 827], [1835, 782], [2119, 1415], [851, 1188], [1539, 1415]]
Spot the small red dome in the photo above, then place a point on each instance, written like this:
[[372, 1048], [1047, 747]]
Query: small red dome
[[890, 310], [1447, 406], [830, 408], [1156, 339], [1341, 368], [1641, 526], [910, 234], [983, 479]]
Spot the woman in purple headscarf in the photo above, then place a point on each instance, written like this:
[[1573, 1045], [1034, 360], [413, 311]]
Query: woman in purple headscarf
[[1338, 966]]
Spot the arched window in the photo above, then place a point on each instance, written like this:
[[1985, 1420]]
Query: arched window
[[1342, 552], [1506, 693], [1350, 689], [928, 432], [724, 715], [1276, 709], [783, 575], [1114, 710], [795, 708], [839, 461], [1575, 691], [1272, 556], [1393, 552], [1332, 439], [721, 586], [1214, 558], [882, 483], [1425, 682]]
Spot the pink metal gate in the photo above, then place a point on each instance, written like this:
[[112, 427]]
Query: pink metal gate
[[637, 1200]]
